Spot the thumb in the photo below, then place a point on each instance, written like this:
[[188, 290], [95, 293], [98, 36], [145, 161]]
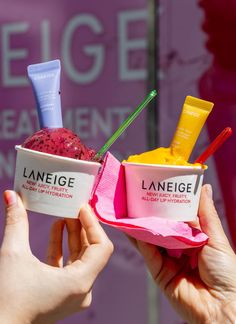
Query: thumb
[[209, 220], [16, 231]]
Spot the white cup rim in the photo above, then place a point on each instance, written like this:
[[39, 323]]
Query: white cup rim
[[165, 166], [51, 156]]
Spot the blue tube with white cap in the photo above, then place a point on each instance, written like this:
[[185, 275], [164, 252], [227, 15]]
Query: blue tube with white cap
[[45, 80]]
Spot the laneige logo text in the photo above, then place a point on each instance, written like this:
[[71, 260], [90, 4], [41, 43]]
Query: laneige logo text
[[167, 186], [49, 178]]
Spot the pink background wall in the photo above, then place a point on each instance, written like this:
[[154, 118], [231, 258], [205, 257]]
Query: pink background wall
[[102, 50]]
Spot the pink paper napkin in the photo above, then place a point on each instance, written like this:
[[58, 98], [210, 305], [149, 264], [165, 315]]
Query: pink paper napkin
[[109, 204]]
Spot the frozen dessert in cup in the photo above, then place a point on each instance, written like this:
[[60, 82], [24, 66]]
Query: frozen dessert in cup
[[162, 183], [54, 172]]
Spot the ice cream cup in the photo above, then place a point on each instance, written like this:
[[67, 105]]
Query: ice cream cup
[[166, 191], [53, 185]]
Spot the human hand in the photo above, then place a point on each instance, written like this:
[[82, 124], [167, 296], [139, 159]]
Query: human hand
[[35, 292], [206, 294]]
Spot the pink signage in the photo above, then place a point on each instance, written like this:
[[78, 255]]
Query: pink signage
[[103, 51]]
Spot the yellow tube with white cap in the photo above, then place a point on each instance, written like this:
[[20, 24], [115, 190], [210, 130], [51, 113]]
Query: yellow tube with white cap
[[193, 117]]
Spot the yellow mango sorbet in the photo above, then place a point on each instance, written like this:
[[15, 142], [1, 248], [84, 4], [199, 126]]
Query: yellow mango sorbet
[[193, 116], [161, 155]]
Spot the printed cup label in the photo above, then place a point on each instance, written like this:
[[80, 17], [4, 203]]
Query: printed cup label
[[56, 184], [173, 191], [161, 192]]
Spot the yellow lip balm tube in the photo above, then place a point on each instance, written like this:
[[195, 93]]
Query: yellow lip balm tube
[[193, 116]]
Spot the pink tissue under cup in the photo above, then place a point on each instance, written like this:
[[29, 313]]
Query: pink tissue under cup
[[110, 205]]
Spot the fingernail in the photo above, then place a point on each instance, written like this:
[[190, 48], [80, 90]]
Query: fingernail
[[208, 188], [10, 198]]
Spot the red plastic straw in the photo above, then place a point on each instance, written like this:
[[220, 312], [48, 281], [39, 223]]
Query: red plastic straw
[[218, 141]]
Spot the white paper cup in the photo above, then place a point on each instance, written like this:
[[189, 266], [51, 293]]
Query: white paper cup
[[53, 185], [166, 191]]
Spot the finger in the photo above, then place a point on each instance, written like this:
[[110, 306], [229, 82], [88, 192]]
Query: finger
[[16, 231], [100, 248], [84, 239], [54, 251], [74, 238], [152, 257], [209, 220], [162, 267], [195, 223], [84, 243]]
